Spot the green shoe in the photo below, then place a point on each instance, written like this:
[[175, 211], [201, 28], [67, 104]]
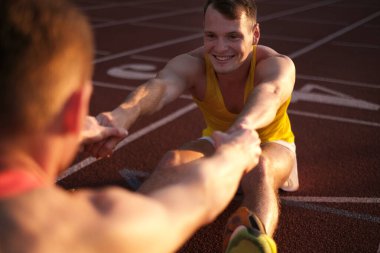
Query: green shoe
[[246, 240]]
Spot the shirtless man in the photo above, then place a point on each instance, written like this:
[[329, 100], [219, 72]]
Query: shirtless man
[[45, 71], [237, 84]]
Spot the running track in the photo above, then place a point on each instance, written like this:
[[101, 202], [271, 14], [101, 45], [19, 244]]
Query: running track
[[335, 111]]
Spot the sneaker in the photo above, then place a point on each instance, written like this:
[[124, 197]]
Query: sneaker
[[292, 183], [245, 233], [246, 240]]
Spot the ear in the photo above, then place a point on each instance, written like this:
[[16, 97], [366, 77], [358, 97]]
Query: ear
[[256, 33], [75, 110]]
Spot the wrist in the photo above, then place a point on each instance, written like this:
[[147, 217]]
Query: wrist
[[243, 124], [124, 115]]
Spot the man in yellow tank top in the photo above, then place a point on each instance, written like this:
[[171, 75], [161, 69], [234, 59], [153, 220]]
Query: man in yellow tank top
[[237, 84]]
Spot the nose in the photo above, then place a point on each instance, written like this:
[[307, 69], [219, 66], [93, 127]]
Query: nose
[[220, 45]]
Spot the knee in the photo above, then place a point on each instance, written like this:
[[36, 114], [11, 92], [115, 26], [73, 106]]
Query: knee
[[169, 160], [262, 173]]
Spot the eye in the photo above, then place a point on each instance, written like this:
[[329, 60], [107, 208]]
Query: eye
[[209, 35], [234, 36]]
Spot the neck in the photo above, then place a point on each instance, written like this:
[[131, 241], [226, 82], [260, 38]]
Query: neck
[[27, 159]]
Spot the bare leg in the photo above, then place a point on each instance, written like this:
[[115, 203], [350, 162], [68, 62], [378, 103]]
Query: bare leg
[[261, 185], [163, 173]]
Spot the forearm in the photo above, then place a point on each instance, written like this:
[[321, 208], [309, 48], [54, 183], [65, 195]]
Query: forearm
[[274, 82], [145, 99], [200, 190], [192, 195], [186, 211], [259, 111]]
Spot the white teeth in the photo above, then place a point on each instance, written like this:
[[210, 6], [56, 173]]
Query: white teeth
[[223, 58]]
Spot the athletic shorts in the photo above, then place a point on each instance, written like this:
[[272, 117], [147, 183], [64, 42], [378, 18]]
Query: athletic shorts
[[293, 177]]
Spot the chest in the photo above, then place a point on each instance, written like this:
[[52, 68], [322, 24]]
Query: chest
[[232, 96]]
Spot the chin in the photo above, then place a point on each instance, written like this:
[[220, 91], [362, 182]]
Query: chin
[[224, 69]]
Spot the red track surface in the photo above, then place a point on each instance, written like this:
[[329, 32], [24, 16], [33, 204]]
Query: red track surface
[[335, 110]]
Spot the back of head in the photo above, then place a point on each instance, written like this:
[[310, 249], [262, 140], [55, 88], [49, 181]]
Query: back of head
[[46, 53], [232, 9]]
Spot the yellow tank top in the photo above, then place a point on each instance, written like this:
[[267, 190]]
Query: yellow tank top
[[217, 117]]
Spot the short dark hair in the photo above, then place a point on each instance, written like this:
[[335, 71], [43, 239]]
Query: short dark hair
[[232, 8], [43, 44]]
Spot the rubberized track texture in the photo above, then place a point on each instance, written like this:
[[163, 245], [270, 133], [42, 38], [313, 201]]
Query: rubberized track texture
[[335, 111]]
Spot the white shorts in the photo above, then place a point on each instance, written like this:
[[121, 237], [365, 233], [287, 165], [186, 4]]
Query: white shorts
[[292, 183], [288, 145]]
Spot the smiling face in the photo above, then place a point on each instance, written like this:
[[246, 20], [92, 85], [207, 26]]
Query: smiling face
[[228, 42]]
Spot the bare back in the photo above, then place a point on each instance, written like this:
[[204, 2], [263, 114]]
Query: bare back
[[47, 220]]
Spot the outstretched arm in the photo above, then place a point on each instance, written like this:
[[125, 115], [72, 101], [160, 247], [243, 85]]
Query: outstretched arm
[[177, 76], [274, 82], [169, 84], [196, 193]]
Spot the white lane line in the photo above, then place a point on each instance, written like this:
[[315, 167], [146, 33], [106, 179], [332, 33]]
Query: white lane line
[[285, 38], [200, 35], [150, 58], [314, 21], [132, 137], [176, 13], [195, 36], [294, 112], [355, 45], [76, 167], [309, 93], [113, 5], [353, 200], [338, 81], [128, 88], [149, 17], [334, 118], [133, 173], [157, 124], [335, 211], [296, 10], [146, 48], [332, 36], [113, 86], [169, 27]]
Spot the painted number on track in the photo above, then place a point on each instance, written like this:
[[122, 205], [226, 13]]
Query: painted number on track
[[328, 96], [134, 71]]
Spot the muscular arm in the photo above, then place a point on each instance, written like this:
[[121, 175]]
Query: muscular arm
[[195, 194], [178, 75], [169, 84], [274, 82]]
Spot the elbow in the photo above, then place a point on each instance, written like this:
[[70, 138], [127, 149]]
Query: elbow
[[152, 96]]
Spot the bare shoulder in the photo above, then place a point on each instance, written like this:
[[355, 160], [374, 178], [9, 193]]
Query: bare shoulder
[[51, 217], [186, 68], [190, 62], [264, 52], [270, 62], [102, 220], [274, 71]]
